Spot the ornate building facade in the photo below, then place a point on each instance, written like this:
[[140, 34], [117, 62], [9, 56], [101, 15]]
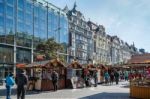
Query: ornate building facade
[[109, 50], [80, 37]]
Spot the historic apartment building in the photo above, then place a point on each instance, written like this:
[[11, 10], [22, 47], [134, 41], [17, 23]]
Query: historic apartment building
[[80, 37], [108, 49]]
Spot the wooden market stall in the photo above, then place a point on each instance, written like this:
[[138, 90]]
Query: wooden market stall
[[139, 81], [94, 74], [140, 76], [75, 75], [53, 65], [39, 74]]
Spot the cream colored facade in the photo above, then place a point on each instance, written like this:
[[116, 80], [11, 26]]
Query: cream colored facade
[[109, 50]]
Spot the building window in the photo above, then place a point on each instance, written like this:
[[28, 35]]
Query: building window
[[20, 4], [9, 11], [23, 56], [1, 8], [6, 54], [11, 2]]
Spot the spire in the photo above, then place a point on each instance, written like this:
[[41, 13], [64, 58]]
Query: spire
[[66, 9], [133, 44], [74, 7]]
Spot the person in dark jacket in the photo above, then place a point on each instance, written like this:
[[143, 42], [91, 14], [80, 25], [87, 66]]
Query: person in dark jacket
[[21, 81], [116, 74], [112, 77], [55, 78], [9, 83], [95, 78]]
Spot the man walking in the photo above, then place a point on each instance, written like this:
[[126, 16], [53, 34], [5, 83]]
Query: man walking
[[9, 83], [55, 80], [21, 81], [116, 74]]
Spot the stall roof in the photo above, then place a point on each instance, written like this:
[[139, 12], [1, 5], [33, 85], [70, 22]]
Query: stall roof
[[91, 66], [140, 58], [38, 63], [75, 64], [54, 62], [20, 65]]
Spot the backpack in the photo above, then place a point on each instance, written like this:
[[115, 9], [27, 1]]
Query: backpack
[[10, 81]]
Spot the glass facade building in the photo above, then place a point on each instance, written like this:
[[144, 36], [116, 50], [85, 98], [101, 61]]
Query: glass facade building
[[25, 23]]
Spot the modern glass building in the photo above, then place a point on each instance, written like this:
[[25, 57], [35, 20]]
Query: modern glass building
[[25, 23]]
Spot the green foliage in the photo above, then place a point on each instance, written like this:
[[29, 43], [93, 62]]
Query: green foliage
[[50, 48]]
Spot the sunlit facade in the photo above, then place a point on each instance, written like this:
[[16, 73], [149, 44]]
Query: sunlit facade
[[25, 23]]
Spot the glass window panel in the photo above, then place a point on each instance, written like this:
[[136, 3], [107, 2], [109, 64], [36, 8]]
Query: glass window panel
[[23, 56], [28, 7], [20, 4], [1, 21], [1, 8], [9, 10], [29, 29], [9, 26], [11, 2], [20, 27], [20, 15], [8, 53], [28, 18], [36, 11], [2, 30]]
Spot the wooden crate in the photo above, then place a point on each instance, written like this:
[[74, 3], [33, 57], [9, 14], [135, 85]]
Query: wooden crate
[[142, 92]]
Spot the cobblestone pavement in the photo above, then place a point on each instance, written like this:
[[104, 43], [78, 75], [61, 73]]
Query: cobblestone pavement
[[101, 92]]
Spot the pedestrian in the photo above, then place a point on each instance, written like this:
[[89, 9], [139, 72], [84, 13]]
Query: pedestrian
[[112, 77], [126, 75], [106, 75], [9, 83], [95, 78], [55, 78], [21, 81], [116, 74]]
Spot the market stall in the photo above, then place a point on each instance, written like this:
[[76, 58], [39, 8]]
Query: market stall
[[34, 73], [53, 65], [75, 75], [140, 80], [93, 75], [139, 76], [39, 74]]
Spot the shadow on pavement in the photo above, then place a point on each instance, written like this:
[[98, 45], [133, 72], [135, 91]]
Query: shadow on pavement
[[14, 92], [108, 96]]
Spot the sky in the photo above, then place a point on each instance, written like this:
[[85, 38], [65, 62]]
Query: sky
[[128, 19]]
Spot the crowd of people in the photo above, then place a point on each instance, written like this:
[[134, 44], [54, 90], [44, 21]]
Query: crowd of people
[[115, 76], [21, 80]]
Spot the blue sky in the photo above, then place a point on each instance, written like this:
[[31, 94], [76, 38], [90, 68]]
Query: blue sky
[[128, 19]]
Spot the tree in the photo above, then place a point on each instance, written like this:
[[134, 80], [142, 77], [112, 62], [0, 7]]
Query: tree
[[49, 48]]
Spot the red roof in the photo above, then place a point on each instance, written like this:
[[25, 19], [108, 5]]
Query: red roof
[[20, 65], [141, 58]]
